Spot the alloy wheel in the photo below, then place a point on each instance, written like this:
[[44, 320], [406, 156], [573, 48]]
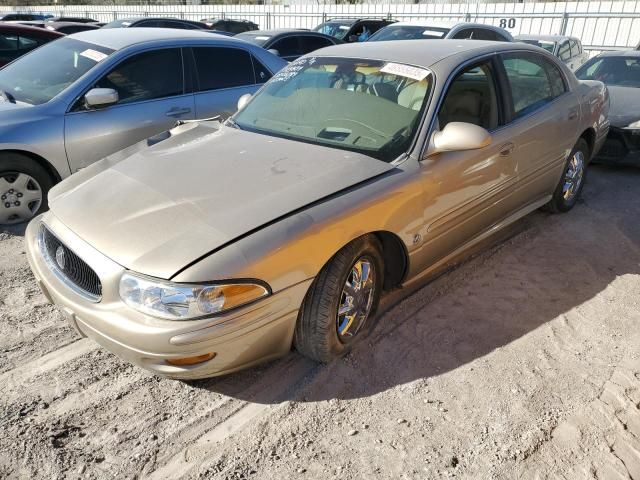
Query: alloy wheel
[[356, 299], [573, 176], [20, 197]]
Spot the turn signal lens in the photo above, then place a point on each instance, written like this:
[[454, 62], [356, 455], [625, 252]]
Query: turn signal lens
[[181, 362]]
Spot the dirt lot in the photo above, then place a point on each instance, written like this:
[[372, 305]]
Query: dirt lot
[[524, 362]]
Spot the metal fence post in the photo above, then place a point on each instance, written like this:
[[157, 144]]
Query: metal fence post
[[268, 20], [324, 17], [565, 21]]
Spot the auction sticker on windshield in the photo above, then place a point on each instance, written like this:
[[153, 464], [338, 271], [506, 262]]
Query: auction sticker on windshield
[[93, 55], [415, 73]]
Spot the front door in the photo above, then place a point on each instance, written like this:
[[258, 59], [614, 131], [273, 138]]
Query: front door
[[468, 191], [152, 99]]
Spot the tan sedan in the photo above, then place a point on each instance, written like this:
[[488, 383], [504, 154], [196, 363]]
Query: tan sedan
[[353, 171]]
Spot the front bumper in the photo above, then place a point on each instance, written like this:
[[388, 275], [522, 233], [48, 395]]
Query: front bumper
[[244, 337], [622, 146]]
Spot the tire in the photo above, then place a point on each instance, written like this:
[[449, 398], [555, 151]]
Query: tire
[[317, 333], [24, 185], [568, 190]]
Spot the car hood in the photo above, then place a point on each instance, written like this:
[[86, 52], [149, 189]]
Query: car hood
[[625, 105], [165, 206], [7, 106]]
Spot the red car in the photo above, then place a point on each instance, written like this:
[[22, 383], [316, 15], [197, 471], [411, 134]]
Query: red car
[[16, 40]]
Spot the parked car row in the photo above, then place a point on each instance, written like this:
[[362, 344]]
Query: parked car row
[[292, 43]]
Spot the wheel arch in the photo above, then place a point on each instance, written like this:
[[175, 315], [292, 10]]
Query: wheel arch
[[50, 169], [396, 258], [589, 136]]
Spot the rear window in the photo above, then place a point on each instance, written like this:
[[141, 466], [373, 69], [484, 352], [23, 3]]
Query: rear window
[[408, 32]]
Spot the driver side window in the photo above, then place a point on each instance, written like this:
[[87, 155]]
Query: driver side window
[[146, 76], [471, 98]]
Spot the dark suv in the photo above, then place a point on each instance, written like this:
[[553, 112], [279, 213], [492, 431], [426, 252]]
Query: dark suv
[[352, 29], [228, 25]]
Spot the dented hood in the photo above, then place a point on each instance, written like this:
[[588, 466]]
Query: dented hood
[[165, 206]]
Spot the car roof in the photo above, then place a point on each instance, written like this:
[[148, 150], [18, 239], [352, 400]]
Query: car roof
[[277, 31], [355, 20], [20, 27], [413, 52], [428, 23], [547, 38], [218, 19], [621, 53], [119, 38]]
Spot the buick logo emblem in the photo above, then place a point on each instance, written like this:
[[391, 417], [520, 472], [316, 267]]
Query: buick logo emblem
[[60, 260]]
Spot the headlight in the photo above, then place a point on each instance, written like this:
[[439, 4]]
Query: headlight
[[633, 126], [184, 301]]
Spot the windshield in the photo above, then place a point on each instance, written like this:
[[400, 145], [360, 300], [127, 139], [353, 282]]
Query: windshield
[[408, 32], [548, 46], [367, 106], [615, 71], [334, 29], [123, 22], [39, 76], [259, 40]]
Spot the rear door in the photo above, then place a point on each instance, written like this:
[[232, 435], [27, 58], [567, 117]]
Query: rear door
[[223, 75], [545, 116], [153, 97]]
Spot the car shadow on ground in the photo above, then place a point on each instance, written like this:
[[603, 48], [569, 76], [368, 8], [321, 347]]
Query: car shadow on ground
[[14, 230], [547, 266]]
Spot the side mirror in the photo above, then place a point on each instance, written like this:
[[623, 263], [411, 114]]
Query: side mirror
[[352, 38], [458, 136], [243, 100], [101, 97], [274, 51]]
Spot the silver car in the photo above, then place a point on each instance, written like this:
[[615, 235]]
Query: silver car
[[86, 96], [567, 49], [429, 30]]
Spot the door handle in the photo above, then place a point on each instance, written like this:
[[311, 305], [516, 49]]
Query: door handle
[[176, 112], [573, 114], [507, 149]]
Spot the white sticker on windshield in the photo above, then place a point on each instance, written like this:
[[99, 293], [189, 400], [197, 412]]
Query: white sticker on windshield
[[344, 27], [415, 73], [260, 37], [433, 32], [94, 55]]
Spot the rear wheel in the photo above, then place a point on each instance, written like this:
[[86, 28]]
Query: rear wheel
[[24, 185], [341, 300], [570, 186]]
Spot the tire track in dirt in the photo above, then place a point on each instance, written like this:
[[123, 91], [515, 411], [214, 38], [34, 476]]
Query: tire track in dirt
[[283, 380], [13, 380]]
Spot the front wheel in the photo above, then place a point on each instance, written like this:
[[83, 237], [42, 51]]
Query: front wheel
[[570, 186], [341, 300], [24, 185]]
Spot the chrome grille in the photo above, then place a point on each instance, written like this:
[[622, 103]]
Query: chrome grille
[[70, 268]]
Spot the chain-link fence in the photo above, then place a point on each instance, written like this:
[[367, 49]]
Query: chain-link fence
[[600, 25]]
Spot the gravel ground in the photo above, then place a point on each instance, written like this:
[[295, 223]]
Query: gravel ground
[[523, 362]]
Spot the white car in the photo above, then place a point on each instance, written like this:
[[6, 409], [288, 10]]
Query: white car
[[567, 49], [427, 30]]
